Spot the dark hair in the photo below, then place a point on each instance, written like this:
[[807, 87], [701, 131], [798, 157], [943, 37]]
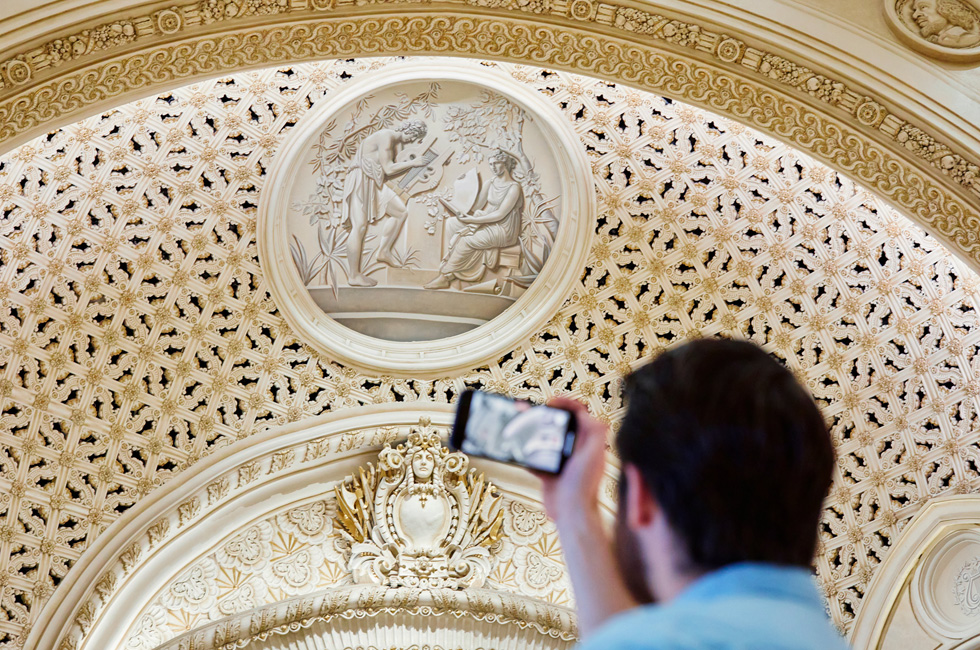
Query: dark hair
[[734, 450]]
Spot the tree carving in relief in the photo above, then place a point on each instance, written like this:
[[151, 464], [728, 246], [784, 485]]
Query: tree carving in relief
[[392, 164], [420, 518]]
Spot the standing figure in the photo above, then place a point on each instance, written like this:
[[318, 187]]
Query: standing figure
[[495, 225], [368, 198]]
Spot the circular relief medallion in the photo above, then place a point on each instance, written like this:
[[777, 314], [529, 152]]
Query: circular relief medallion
[[946, 586], [948, 30], [427, 218]]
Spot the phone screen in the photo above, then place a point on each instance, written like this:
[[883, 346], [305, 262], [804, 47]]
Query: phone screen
[[513, 431]]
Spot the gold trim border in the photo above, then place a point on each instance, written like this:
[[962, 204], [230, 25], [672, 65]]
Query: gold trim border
[[41, 62]]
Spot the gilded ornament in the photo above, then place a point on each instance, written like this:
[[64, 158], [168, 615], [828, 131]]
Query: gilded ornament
[[420, 519], [870, 113], [730, 50], [640, 323], [582, 9], [17, 71]]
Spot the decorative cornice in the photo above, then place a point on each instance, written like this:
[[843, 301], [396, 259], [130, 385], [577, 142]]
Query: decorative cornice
[[42, 62], [359, 601]]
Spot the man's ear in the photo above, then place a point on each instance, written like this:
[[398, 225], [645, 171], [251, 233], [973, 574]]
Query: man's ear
[[641, 507]]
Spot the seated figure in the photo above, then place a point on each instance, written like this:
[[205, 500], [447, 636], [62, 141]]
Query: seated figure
[[495, 225]]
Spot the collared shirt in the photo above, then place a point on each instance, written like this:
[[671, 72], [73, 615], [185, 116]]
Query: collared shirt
[[739, 607]]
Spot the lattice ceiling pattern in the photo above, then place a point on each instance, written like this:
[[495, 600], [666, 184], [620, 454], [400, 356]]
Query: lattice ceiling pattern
[[137, 334]]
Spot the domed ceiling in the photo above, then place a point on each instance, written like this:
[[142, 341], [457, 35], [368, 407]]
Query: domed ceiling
[[139, 332]]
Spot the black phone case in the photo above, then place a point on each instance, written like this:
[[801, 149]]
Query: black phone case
[[458, 434]]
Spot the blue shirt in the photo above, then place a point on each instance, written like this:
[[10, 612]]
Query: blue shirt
[[739, 607]]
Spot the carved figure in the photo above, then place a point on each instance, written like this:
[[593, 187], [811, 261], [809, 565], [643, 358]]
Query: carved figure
[[368, 198], [949, 23], [419, 519], [496, 224]]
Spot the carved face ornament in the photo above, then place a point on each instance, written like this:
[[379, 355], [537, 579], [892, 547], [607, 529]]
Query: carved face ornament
[[423, 465], [440, 520], [498, 168], [926, 16]]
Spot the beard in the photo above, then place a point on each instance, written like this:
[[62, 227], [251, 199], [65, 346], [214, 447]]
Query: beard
[[629, 555]]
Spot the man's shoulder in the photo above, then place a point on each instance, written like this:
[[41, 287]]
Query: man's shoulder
[[737, 622]]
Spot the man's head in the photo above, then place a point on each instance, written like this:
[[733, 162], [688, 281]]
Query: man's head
[[731, 451], [412, 130]]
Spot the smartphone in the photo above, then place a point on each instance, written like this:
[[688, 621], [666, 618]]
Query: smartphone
[[513, 431]]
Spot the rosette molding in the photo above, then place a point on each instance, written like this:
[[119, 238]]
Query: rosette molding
[[852, 126], [162, 542]]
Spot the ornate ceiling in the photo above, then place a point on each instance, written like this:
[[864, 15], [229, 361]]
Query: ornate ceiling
[[138, 335], [848, 119]]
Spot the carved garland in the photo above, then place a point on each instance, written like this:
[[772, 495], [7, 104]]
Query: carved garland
[[34, 99]]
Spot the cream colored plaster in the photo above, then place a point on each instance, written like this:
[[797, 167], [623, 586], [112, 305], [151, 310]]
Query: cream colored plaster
[[904, 632], [851, 37]]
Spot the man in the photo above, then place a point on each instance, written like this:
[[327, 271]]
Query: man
[[725, 464], [368, 198], [496, 225]]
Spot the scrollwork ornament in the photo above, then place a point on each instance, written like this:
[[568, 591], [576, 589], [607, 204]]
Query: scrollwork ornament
[[652, 260], [966, 588], [419, 519]]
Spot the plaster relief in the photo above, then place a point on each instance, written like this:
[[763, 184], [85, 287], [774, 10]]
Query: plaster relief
[[420, 519], [427, 209], [946, 586], [966, 588], [413, 218], [942, 29]]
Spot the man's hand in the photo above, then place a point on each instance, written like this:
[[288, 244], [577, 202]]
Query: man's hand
[[574, 494], [572, 500], [419, 161]]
